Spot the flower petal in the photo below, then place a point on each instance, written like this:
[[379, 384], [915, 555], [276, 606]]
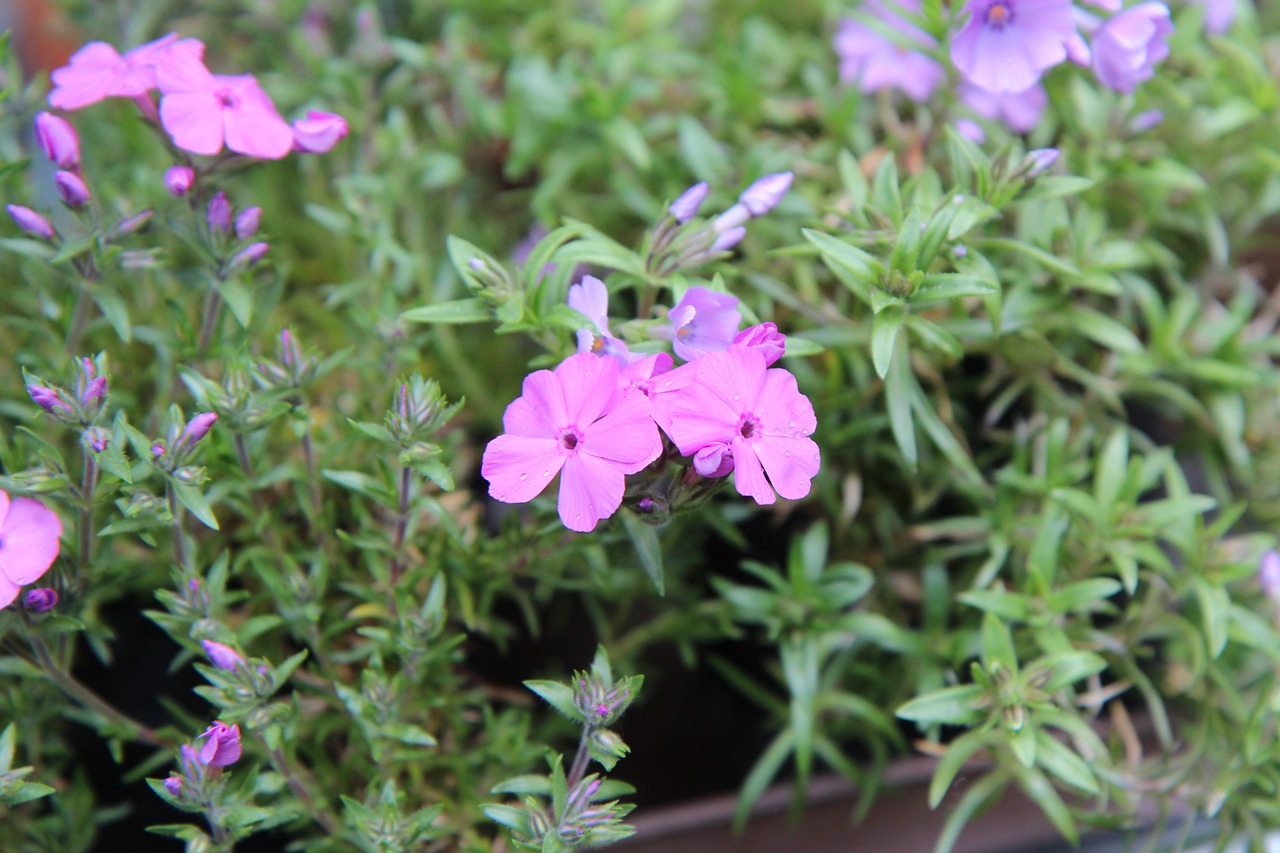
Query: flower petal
[[696, 417], [194, 120], [589, 382], [627, 435], [748, 476], [590, 489], [28, 540], [8, 591], [519, 467], [539, 410], [790, 462], [253, 126]]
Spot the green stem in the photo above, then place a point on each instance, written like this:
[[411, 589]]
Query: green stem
[[211, 311], [581, 759], [88, 484], [318, 813], [179, 543], [402, 528]]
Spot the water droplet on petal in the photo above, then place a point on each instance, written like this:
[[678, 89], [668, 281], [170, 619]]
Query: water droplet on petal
[[786, 453], [546, 473], [791, 423], [524, 476]]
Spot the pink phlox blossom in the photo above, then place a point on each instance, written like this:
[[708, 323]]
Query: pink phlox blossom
[[876, 60], [590, 297], [1018, 111], [29, 534], [1127, 47], [318, 132], [201, 110], [757, 415], [1007, 44], [221, 746], [571, 421], [1219, 15], [642, 375], [97, 71], [703, 321]]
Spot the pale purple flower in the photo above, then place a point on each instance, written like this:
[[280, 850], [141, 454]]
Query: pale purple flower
[[134, 223], [71, 189], [572, 421], [223, 656], [29, 533], [31, 222], [42, 599], [704, 321], [876, 60], [222, 745], [202, 111], [178, 180], [740, 408], [591, 297], [1007, 44], [1145, 120], [97, 71], [1269, 574], [318, 132], [1218, 14], [1018, 111], [687, 205], [246, 224], [765, 339], [1127, 47], [58, 140]]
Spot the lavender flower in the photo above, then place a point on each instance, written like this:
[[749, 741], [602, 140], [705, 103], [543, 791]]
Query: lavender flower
[[1269, 574], [248, 256], [222, 745], [875, 60], [728, 239], [1007, 44], [196, 429], [218, 214], [247, 222], [223, 656], [48, 399], [765, 194], [1127, 47], [1018, 111], [704, 321]]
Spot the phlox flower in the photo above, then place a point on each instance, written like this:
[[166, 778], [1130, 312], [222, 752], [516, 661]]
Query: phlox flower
[[201, 110], [1018, 111], [591, 297], [703, 321], [1007, 44], [1127, 47], [97, 71], [221, 746], [318, 132], [875, 60], [739, 408], [765, 338], [29, 543], [1218, 14], [572, 421]]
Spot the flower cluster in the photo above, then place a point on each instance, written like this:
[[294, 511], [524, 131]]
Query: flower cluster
[[600, 415], [220, 748], [1002, 49], [201, 111]]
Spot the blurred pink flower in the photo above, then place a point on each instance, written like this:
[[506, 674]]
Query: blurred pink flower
[[318, 132], [876, 60], [1007, 44], [29, 543], [97, 71], [573, 421]]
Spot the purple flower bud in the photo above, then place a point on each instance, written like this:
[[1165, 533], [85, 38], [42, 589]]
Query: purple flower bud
[[289, 352], [97, 439], [71, 189], [734, 217], [248, 256], [157, 449], [174, 786], [263, 669], [686, 206], [58, 140], [1269, 574], [764, 195], [223, 656], [477, 265], [133, 224], [714, 460], [960, 251], [197, 428], [318, 132], [1145, 121], [247, 222], [218, 214], [47, 399], [94, 391], [764, 339], [222, 745], [728, 239], [41, 599], [1039, 160], [178, 180], [30, 221]]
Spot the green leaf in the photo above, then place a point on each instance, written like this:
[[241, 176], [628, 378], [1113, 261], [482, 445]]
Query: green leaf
[[701, 152], [835, 251], [898, 393], [907, 247], [648, 548], [938, 286], [1215, 613], [884, 334], [951, 705], [194, 500], [1038, 788], [997, 643], [458, 311], [1063, 762], [762, 773], [885, 194], [1068, 668], [558, 696], [1104, 330], [1082, 594], [958, 752], [980, 794]]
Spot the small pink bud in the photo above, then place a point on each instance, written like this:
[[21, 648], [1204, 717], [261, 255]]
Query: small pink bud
[[41, 599], [178, 180], [197, 428], [247, 222], [223, 656], [47, 399], [71, 189], [764, 339], [58, 140], [132, 225], [248, 256], [30, 221], [222, 746], [218, 214], [97, 439], [289, 353], [174, 786], [318, 132]]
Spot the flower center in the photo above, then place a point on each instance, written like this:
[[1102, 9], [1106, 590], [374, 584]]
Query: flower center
[[999, 15], [227, 98], [569, 439], [747, 429]]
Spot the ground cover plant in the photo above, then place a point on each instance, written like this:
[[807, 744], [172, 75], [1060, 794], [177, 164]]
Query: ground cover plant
[[398, 399]]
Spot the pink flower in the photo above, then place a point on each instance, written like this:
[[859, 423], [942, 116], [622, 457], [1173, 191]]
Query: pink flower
[[318, 132], [1019, 111], [765, 338], [591, 297], [1006, 44], [201, 110], [222, 746], [875, 60], [1127, 47], [739, 407], [572, 421], [704, 321], [96, 71], [29, 544]]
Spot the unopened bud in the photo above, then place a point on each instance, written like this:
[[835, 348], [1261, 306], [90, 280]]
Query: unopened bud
[[764, 195], [1039, 161], [223, 656], [765, 339], [132, 225], [41, 599], [48, 399], [686, 206], [97, 439], [58, 140], [71, 189], [248, 256], [218, 214], [31, 222], [178, 180], [728, 239], [247, 222]]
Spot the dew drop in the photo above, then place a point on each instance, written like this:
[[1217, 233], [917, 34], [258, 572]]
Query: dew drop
[[791, 423], [524, 476], [736, 397], [577, 517], [546, 473], [786, 453]]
